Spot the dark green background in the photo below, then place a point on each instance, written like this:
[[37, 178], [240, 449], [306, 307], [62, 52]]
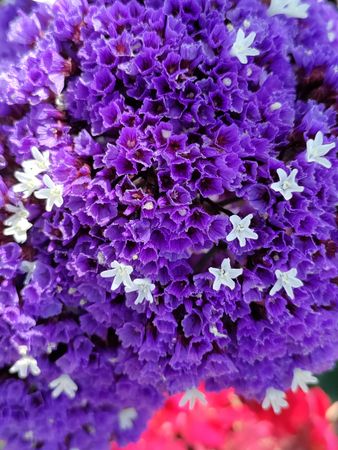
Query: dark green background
[[329, 382]]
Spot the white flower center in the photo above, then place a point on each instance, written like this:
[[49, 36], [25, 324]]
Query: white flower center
[[275, 106], [240, 228], [285, 278], [148, 206], [56, 191], [286, 185], [227, 81]]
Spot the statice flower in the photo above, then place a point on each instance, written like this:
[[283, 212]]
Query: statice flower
[[167, 209]]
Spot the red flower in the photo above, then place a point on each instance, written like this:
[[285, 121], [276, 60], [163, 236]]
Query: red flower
[[228, 424]]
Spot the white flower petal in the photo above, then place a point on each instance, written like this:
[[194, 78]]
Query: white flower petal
[[286, 280], [53, 194], [275, 399], [126, 418], [241, 47], [120, 273], [191, 396], [301, 379], [241, 230], [17, 224], [287, 184], [316, 150], [290, 8], [225, 275], [144, 288], [63, 385], [24, 365]]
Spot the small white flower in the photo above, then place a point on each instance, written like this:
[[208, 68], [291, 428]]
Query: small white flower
[[241, 47], [213, 330], [225, 275], [121, 274], [18, 231], [290, 8], [275, 106], [101, 258], [46, 2], [241, 230], [144, 288], [40, 162], [25, 365], [51, 346], [18, 213], [287, 281], [227, 81], [63, 385], [28, 183], [301, 379], [191, 396], [28, 436], [316, 150], [52, 193], [287, 184], [17, 224], [126, 418], [275, 399], [28, 268], [148, 206], [330, 33]]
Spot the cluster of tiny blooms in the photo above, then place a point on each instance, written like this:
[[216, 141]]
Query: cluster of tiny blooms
[[167, 192], [226, 423]]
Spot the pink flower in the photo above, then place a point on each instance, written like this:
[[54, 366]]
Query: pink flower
[[226, 423]]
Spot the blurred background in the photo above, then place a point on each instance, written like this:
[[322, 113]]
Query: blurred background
[[329, 382], [227, 423]]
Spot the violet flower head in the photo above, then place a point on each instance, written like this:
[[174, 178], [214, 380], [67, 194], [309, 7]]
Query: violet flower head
[[167, 202]]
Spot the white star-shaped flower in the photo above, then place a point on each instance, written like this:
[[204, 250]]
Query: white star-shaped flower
[[241, 48], [126, 418], [225, 275], [28, 183], [63, 385], [25, 365], [121, 274], [191, 396], [287, 184], [241, 230], [301, 379], [275, 399], [52, 193], [40, 162], [144, 288], [290, 8], [287, 281], [17, 224], [316, 150]]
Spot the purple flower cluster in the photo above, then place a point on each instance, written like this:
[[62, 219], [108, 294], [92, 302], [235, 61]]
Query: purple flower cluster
[[167, 209]]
